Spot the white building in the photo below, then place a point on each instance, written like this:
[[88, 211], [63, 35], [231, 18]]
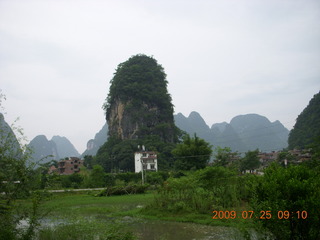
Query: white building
[[147, 159]]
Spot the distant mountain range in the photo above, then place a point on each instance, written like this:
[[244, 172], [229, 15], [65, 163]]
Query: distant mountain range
[[9, 144], [100, 138], [60, 147], [243, 133], [64, 147], [55, 149]]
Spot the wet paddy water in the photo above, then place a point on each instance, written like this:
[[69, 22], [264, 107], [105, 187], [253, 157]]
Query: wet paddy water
[[166, 230], [162, 230]]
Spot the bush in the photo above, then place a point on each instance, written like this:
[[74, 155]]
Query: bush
[[296, 188], [129, 177], [200, 191], [156, 178], [120, 190]]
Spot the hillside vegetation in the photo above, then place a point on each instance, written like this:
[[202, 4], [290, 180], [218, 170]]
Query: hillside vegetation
[[138, 112], [307, 127]]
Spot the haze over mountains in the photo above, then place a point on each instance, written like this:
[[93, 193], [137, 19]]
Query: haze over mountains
[[8, 138], [54, 149], [60, 147], [64, 147], [100, 138], [243, 133]]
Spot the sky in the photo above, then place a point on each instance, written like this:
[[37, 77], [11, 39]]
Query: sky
[[222, 58]]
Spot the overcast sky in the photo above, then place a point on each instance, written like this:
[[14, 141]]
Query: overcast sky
[[222, 58]]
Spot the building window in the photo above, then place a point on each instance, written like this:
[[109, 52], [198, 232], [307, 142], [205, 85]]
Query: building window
[[75, 166], [151, 166]]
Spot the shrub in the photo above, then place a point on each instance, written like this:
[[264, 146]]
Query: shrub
[[200, 191], [120, 190], [296, 188]]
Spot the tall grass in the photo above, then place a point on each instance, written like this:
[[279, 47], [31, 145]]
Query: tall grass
[[83, 205], [82, 216], [213, 188]]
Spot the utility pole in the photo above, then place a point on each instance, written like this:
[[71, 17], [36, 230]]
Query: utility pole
[[142, 170], [143, 175]]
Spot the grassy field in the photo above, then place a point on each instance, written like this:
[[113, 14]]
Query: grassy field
[[82, 204], [82, 215]]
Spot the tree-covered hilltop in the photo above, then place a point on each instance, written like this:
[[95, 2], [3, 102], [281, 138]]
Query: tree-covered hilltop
[[138, 103], [138, 112], [307, 127]]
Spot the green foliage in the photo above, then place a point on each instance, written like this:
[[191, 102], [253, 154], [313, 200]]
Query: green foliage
[[200, 191], [122, 155], [140, 80], [225, 157], [118, 155], [17, 178], [140, 84], [123, 190], [156, 178], [250, 161], [221, 183], [88, 161], [222, 156], [193, 153], [314, 163], [138, 93], [183, 195], [103, 156], [164, 150], [296, 188], [246, 185], [97, 177], [129, 177], [307, 126]]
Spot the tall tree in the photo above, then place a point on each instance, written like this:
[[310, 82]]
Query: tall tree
[[224, 156], [192, 153], [250, 161]]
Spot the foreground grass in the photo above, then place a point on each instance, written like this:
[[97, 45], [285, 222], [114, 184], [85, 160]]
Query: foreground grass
[[85, 216], [82, 204], [86, 230]]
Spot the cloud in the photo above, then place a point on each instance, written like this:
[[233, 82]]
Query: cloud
[[222, 58]]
